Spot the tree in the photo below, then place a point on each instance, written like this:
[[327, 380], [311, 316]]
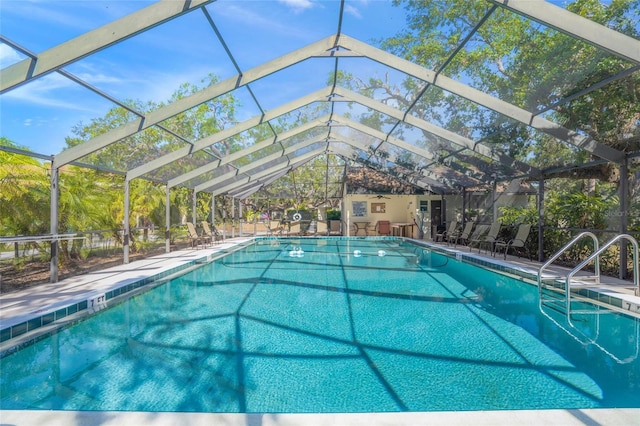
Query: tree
[[199, 122], [504, 57], [24, 193]]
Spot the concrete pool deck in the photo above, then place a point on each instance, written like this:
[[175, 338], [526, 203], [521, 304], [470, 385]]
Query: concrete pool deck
[[590, 417], [18, 307]]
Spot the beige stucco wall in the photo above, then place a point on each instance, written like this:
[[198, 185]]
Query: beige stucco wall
[[398, 209], [402, 208]]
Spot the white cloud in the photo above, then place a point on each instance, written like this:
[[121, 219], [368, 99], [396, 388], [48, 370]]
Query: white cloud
[[235, 11], [8, 56], [353, 11], [40, 92], [79, 15], [297, 5]]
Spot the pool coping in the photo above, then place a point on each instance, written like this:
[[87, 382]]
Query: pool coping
[[569, 417], [26, 327], [605, 293]]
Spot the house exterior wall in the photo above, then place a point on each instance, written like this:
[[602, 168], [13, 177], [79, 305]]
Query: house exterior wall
[[403, 208]]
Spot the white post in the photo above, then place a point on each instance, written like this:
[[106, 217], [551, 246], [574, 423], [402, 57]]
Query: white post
[[167, 220], [495, 198], [53, 277], [125, 237], [233, 217], [193, 208]]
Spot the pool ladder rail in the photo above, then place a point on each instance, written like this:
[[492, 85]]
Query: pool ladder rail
[[559, 292]]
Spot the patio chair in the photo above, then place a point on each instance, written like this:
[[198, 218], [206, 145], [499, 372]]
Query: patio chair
[[478, 235], [321, 228], [335, 227], [295, 228], [443, 235], [274, 227], [491, 237], [194, 238], [519, 241], [383, 227], [214, 236], [462, 236]]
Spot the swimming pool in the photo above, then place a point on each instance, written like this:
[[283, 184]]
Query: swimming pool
[[314, 326]]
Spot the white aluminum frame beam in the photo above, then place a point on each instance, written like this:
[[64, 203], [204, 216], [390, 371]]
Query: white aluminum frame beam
[[191, 101], [397, 142], [505, 108], [345, 95], [448, 135], [266, 172], [430, 184], [248, 169], [94, 41], [152, 165], [254, 186], [246, 151], [362, 146], [217, 186], [317, 123], [576, 26]]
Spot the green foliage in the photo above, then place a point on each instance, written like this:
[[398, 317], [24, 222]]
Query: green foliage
[[334, 214], [503, 58], [24, 194], [511, 215], [578, 210]]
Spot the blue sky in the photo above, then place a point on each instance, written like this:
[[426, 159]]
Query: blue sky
[[151, 66]]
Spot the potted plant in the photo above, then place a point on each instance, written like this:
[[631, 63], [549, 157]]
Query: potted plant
[[421, 222], [336, 216]]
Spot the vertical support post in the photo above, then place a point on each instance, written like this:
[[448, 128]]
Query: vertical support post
[[495, 198], [624, 213], [464, 207], [125, 237], [224, 220], [233, 217], [240, 218], [541, 220], [167, 221], [213, 209], [193, 208], [53, 277]]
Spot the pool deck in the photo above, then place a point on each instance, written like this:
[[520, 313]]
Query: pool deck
[[18, 307]]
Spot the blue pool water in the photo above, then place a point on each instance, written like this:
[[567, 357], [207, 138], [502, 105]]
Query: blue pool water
[[274, 329]]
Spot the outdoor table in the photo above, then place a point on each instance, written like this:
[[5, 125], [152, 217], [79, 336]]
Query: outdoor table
[[361, 226]]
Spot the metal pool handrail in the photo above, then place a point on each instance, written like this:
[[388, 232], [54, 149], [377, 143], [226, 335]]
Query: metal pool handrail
[[597, 253], [565, 248]]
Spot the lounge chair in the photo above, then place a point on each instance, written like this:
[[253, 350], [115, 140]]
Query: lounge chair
[[214, 236], [478, 235], [294, 228], [519, 241], [463, 236], [491, 237], [443, 235], [383, 227], [335, 227], [194, 238], [274, 227], [321, 228]]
